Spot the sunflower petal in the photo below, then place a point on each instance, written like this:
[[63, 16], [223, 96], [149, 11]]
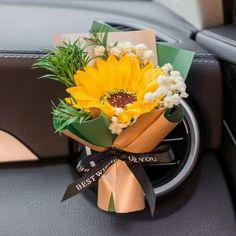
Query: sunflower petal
[[109, 75]]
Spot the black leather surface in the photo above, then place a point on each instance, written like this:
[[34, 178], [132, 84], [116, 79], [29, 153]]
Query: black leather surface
[[204, 85], [25, 105], [30, 206], [229, 72], [228, 7], [228, 160], [220, 40]]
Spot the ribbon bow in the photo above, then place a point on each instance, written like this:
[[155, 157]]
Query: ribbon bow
[[93, 167]]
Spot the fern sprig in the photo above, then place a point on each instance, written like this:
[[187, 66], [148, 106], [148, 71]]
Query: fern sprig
[[63, 62], [65, 114], [98, 38]]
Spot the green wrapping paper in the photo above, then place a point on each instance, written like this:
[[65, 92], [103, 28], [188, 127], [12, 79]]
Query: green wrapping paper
[[180, 59], [93, 131]]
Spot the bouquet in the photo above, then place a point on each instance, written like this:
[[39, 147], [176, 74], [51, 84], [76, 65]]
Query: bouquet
[[124, 95]]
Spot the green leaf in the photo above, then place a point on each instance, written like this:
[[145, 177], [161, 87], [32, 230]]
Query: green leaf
[[81, 124], [104, 39], [64, 115], [180, 59], [111, 206], [175, 114], [95, 131], [102, 27]]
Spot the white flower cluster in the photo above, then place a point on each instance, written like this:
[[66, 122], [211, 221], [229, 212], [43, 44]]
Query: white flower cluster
[[116, 127], [98, 51], [171, 88], [120, 49]]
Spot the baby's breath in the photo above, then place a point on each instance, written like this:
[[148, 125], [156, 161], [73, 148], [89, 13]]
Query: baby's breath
[[171, 88], [99, 41]]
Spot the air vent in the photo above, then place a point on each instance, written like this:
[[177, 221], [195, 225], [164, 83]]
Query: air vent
[[184, 140], [123, 27], [185, 143]]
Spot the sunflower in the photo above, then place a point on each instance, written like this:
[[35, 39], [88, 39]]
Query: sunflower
[[116, 87]]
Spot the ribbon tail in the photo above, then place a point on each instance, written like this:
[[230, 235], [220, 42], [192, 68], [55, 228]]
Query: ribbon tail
[[87, 180], [70, 192], [75, 188], [145, 183]]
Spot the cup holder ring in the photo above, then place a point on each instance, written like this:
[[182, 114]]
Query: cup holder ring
[[188, 151]]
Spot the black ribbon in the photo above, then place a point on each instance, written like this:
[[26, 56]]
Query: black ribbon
[[94, 166]]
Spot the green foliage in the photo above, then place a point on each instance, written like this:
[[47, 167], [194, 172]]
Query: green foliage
[[99, 38], [111, 207], [63, 62], [65, 114]]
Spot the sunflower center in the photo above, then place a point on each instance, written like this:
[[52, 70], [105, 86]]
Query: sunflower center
[[120, 98]]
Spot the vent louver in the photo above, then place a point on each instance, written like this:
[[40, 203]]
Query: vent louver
[[123, 27]]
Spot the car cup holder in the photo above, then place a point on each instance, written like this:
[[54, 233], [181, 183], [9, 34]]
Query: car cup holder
[[185, 143]]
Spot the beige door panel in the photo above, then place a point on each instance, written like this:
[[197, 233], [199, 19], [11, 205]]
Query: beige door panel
[[12, 150]]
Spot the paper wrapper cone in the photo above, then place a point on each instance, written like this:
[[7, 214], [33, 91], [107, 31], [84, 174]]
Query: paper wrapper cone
[[145, 134], [93, 133], [119, 191]]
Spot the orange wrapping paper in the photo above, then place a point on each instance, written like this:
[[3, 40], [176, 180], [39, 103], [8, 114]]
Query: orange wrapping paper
[[150, 137], [135, 132], [120, 182], [118, 185]]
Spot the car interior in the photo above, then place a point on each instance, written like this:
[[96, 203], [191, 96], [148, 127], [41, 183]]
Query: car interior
[[196, 197]]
